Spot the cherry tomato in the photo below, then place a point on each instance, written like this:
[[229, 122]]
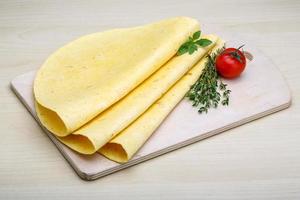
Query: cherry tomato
[[231, 62]]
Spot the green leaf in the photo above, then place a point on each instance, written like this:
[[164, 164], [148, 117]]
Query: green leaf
[[183, 49], [192, 48], [203, 42], [222, 86], [196, 35]]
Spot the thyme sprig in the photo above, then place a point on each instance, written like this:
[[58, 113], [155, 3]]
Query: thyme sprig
[[209, 90]]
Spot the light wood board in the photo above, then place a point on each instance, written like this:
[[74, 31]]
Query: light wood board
[[260, 91]]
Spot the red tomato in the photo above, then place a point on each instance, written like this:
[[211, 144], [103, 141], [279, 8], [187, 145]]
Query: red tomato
[[230, 63]]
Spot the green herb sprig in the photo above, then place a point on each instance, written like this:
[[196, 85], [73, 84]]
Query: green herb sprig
[[209, 90], [193, 43]]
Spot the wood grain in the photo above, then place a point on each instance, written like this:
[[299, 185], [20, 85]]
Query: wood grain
[[260, 160]]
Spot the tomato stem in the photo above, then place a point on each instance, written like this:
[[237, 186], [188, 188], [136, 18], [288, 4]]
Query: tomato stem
[[240, 47], [236, 55]]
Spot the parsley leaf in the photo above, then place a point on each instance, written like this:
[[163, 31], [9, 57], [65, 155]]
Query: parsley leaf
[[196, 35], [192, 44], [203, 42]]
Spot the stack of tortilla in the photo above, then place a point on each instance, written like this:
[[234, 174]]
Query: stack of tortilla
[[107, 92]]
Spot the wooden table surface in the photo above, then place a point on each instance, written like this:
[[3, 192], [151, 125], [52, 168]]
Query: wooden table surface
[[260, 160]]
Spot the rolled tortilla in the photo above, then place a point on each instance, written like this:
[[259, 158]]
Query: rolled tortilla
[[88, 75], [131, 139], [96, 133]]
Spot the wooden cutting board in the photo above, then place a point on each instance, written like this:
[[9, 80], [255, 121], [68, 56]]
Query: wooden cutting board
[[260, 91]]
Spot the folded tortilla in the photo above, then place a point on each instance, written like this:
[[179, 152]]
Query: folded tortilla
[[96, 133], [131, 139], [85, 77]]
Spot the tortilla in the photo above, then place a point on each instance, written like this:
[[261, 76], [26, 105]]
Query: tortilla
[[131, 139], [85, 77], [96, 133]]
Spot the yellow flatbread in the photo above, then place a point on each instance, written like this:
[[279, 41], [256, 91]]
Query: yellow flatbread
[[96, 133], [127, 142], [88, 75]]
